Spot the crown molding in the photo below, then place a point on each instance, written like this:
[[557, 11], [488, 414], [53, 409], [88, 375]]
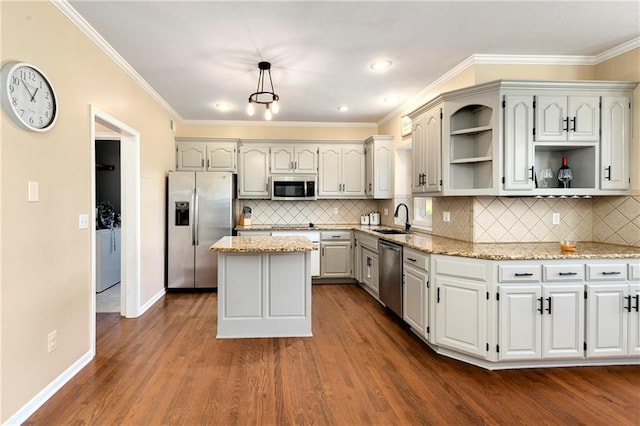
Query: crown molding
[[255, 123], [89, 31], [418, 100], [617, 50]]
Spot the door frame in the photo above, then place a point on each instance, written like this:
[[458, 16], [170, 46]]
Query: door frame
[[130, 212]]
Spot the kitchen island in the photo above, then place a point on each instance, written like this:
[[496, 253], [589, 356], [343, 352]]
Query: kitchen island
[[264, 286]]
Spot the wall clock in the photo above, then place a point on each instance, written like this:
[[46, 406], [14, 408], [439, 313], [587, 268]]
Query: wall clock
[[28, 96]]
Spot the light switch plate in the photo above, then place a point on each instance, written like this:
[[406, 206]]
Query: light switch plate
[[555, 218], [33, 192], [83, 221]]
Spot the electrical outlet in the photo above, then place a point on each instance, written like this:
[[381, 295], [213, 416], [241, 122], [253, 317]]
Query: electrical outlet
[[386, 212], [446, 216], [52, 341], [335, 210], [555, 218], [83, 221]]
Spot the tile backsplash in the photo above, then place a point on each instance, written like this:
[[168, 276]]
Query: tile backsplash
[[614, 220], [267, 212]]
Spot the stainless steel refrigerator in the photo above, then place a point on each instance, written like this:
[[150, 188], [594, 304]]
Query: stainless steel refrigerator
[[199, 213]]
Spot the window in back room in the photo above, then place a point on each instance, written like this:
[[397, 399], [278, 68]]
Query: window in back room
[[422, 212]]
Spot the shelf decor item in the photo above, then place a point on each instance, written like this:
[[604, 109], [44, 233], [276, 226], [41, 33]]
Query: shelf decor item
[[565, 174], [262, 96]]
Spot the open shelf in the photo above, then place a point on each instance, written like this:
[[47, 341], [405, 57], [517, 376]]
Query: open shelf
[[582, 161], [471, 147]]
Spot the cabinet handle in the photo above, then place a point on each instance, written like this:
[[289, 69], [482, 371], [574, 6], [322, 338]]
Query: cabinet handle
[[574, 122], [628, 307], [608, 171], [368, 261], [369, 186], [637, 297], [540, 309], [611, 273], [566, 124], [411, 259], [323, 251], [523, 274], [438, 295], [335, 236], [295, 165], [549, 308], [532, 177], [424, 179], [567, 273], [202, 163], [208, 163]]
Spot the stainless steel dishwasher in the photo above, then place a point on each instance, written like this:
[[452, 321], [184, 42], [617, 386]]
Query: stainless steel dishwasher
[[390, 275]]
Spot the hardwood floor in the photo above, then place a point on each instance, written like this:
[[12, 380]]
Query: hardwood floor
[[362, 367]]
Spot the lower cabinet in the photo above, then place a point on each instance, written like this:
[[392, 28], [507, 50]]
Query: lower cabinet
[[415, 291], [335, 254], [461, 304], [369, 269], [541, 321]]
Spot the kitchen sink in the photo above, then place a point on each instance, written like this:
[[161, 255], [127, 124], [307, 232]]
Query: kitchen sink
[[390, 231]]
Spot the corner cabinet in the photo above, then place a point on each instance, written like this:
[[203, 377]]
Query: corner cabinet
[[378, 154], [206, 155], [426, 141], [508, 138], [253, 171], [341, 171]]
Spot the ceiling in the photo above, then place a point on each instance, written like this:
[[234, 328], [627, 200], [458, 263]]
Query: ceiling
[[199, 54]]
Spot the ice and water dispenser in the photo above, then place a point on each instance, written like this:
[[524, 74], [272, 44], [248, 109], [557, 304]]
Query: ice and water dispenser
[[182, 213]]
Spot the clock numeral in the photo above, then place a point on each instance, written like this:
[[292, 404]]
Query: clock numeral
[[32, 76], [46, 95], [46, 114], [11, 89], [14, 101], [31, 120], [48, 105], [21, 112], [41, 121], [15, 80]]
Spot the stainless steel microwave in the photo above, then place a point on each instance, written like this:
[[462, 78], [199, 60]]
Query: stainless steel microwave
[[293, 187]]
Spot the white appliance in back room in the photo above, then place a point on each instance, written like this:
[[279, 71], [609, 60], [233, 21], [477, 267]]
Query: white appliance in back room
[[199, 213]]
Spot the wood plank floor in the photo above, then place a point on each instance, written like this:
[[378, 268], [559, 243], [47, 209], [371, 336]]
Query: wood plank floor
[[362, 367]]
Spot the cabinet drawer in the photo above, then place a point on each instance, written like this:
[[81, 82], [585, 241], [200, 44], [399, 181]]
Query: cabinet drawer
[[607, 272], [571, 272], [634, 271], [463, 268], [518, 273], [368, 241], [335, 235], [416, 258]]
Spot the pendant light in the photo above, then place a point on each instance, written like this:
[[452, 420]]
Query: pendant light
[[268, 98]]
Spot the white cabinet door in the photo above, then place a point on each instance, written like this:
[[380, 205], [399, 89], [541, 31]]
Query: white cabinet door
[[520, 322], [191, 156], [606, 320], [563, 321], [584, 119], [221, 157], [341, 171], [330, 183], [368, 169], [461, 315], [616, 142], [567, 118], [418, 155], [379, 167], [282, 159], [518, 143], [413, 297], [306, 159], [353, 171], [253, 180], [335, 259], [432, 174], [634, 320]]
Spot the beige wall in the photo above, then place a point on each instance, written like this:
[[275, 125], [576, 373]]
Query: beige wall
[[45, 276], [276, 131], [491, 72]]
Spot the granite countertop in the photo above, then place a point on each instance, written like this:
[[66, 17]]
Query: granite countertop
[[494, 251], [263, 244]]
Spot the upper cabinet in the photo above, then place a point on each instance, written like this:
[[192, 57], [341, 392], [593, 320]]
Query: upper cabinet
[[426, 143], [299, 159], [253, 171], [510, 138], [210, 155], [378, 152], [341, 171]]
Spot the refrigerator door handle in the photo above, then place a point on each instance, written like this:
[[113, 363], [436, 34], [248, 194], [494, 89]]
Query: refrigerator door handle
[[196, 217]]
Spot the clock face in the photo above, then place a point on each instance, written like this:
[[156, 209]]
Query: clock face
[[28, 97]]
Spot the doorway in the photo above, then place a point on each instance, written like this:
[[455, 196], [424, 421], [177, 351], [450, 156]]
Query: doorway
[[105, 126]]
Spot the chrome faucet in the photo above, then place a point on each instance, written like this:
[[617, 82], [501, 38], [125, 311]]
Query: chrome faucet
[[407, 225]]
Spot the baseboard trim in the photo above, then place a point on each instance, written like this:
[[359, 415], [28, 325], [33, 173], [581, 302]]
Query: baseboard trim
[[43, 396], [144, 308]]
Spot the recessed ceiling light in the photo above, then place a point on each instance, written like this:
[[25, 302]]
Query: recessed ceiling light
[[222, 106], [381, 65], [343, 108]]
